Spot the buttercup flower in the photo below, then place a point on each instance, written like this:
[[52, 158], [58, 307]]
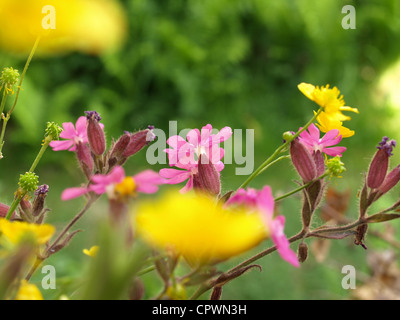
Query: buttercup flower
[[327, 98], [311, 139], [326, 124], [185, 154], [91, 26], [262, 201], [18, 231], [198, 228], [28, 291], [92, 252], [116, 184]]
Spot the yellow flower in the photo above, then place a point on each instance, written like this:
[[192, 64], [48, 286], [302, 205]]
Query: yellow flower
[[90, 26], [19, 231], [198, 228], [92, 252], [28, 291], [327, 123], [328, 98]]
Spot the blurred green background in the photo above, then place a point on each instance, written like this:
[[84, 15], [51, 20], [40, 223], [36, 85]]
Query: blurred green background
[[230, 63]]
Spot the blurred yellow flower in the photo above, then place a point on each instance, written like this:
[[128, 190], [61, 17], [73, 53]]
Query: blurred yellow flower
[[329, 99], [198, 228], [92, 252], [19, 231], [327, 123], [28, 291], [91, 26]]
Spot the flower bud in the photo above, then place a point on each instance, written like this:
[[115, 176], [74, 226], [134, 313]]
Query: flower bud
[[96, 138], [136, 291], [390, 181], [8, 79], [380, 163], [28, 181], [53, 131], [138, 140], [302, 252], [288, 136], [335, 166], [303, 161], [120, 146], [319, 162], [38, 202], [4, 209], [207, 179], [85, 159]]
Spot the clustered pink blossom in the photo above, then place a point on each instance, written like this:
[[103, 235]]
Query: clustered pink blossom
[[314, 143], [184, 154]]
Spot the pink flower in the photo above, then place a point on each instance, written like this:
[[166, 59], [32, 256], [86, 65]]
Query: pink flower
[[73, 135], [145, 182], [263, 201], [312, 141], [185, 154]]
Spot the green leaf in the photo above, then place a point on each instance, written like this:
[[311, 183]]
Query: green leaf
[[382, 217]]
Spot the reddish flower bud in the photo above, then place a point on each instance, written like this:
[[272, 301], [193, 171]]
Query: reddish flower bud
[[207, 179], [4, 209], [302, 252], [96, 138], [380, 163], [390, 181], [120, 146], [85, 159], [138, 140], [303, 161], [38, 202], [319, 163]]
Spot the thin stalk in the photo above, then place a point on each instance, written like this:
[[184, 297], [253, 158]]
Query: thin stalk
[[301, 187], [28, 61], [14, 205], [45, 144], [3, 103]]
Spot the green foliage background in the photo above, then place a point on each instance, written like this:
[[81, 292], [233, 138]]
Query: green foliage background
[[230, 63]]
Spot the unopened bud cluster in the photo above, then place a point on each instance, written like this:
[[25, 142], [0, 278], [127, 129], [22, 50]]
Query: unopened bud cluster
[[8, 79]]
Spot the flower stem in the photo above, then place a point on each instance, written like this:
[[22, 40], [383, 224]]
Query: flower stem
[[14, 205], [45, 144], [3, 103], [270, 160], [301, 187], [28, 61], [6, 118]]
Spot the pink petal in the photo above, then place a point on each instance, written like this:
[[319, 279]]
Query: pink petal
[[248, 198], [223, 135], [332, 134], [219, 166], [176, 142], [266, 203], [61, 145], [205, 134], [282, 243], [72, 193], [68, 131], [148, 181], [314, 131], [175, 176], [334, 151], [81, 126], [101, 181], [188, 186], [193, 137]]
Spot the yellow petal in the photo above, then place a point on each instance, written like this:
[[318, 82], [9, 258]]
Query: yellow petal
[[18, 231], [196, 227], [91, 26], [307, 89], [28, 291], [92, 252]]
